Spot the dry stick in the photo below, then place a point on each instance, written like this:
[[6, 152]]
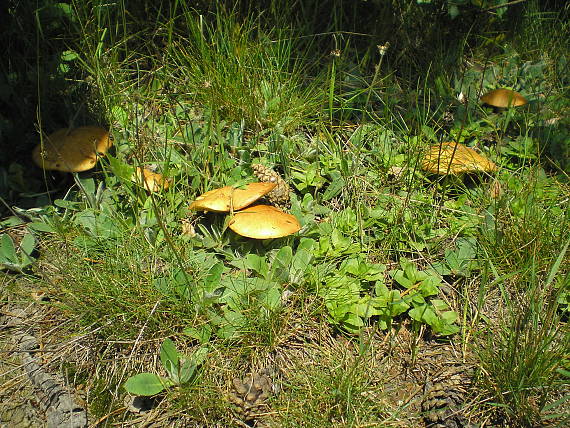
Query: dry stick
[[108, 415], [498, 6]]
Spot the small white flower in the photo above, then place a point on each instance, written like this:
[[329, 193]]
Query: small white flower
[[462, 98], [383, 48]]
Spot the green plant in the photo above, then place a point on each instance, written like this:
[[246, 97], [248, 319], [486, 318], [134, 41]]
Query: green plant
[[180, 370], [9, 257], [356, 291], [231, 302], [19, 256], [461, 260], [525, 361]]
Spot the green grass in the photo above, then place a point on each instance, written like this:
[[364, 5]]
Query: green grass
[[392, 264]]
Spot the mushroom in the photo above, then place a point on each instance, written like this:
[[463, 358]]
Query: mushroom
[[501, 98], [229, 198], [151, 181], [263, 222], [455, 158], [72, 150]]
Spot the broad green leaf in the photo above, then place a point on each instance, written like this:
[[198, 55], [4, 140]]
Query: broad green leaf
[[27, 246], [444, 329], [39, 226], [146, 384], [257, 264], [428, 287], [449, 316], [335, 187], [366, 308], [281, 265], [423, 313], [200, 354], [439, 304], [120, 169], [381, 290], [11, 222], [7, 250], [187, 370], [440, 268], [272, 298], [402, 279], [415, 298], [363, 269], [300, 264], [70, 205], [87, 184], [68, 55], [338, 240], [213, 278], [453, 11], [28, 243], [396, 304], [169, 356], [202, 333], [230, 325], [188, 366], [306, 244]]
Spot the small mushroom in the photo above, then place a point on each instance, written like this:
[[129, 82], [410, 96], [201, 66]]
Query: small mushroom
[[263, 222], [455, 158], [229, 198], [152, 181], [72, 150], [501, 98]]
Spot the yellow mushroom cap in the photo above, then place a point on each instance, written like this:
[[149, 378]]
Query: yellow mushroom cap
[[220, 200], [503, 98], [263, 222], [72, 150], [152, 181], [454, 158]]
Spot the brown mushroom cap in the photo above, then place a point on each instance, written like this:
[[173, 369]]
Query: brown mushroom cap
[[220, 200], [503, 98], [263, 222], [72, 150], [454, 158], [152, 181]]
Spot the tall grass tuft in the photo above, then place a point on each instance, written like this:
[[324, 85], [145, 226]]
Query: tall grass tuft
[[240, 72], [524, 361]]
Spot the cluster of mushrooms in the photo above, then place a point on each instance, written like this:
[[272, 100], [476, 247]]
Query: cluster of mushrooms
[[258, 221], [77, 150], [455, 158]]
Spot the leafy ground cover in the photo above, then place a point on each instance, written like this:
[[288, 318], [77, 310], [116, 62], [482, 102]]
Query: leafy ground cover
[[406, 299]]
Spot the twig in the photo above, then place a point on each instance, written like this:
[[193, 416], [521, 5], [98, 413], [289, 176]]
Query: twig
[[498, 6]]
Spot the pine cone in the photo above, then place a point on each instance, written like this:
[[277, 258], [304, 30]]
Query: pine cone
[[444, 399], [249, 394], [278, 196]]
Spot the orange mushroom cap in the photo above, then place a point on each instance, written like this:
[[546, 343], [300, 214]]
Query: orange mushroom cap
[[72, 150], [263, 222], [151, 181], [503, 98], [455, 158], [224, 198]]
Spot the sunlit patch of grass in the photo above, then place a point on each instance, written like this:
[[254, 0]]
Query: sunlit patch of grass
[[524, 358]]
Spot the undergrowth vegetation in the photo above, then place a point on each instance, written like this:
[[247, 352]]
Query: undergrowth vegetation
[[342, 99]]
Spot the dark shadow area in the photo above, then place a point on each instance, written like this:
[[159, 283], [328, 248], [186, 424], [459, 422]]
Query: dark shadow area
[[40, 88]]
